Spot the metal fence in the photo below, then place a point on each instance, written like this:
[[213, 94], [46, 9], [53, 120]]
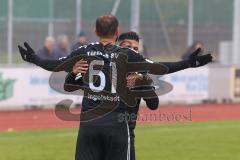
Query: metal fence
[[164, 25]]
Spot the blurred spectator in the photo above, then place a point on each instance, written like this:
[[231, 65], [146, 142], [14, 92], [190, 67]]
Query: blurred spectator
[[47, 51], [191, 49], [81, 40], [62, 47]]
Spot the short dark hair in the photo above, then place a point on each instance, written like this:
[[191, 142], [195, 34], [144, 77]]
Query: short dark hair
[[106, 25], [129, 35]]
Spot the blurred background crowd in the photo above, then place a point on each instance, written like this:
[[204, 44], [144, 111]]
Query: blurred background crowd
[[167, 28], [61, 47]]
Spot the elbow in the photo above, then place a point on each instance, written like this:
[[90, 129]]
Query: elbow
[[153, 107], [153, 104], [65, 87], [68, 88]]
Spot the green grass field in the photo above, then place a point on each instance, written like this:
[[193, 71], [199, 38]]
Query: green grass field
[[189, 141]]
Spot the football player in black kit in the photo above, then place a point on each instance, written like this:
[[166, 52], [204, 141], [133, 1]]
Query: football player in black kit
[[129, 40], [105, 138]]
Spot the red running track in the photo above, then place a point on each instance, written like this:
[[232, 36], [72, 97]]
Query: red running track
[[39, 119]]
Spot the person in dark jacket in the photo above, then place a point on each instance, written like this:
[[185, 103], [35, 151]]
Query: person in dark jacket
[[81, 40], [62, 48], [47, 51]]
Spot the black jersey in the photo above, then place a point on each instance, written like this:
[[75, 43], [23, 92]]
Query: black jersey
[[98, 48], [109, 55], [107, 52]]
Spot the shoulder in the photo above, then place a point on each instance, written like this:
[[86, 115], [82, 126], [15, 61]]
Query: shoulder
[[84, 48], [133, 56], [87, 46], [91, 45], [127, 50]]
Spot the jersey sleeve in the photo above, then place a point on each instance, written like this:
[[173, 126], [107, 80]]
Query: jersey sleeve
[[72, 79], [152, 103], [134, 56], [51, 65], [172, 66], [175, 66]]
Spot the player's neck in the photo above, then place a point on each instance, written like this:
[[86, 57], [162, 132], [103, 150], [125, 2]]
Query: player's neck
[[106, 41]]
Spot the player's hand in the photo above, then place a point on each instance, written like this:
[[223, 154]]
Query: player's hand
[[132, 78], [80, 67], [27, 53], [144, 81], [196, 60]]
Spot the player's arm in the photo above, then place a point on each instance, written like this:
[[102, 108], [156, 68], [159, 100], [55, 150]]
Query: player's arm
[[176, 66], [30, 56], [195, 60], [76, 76], [153, 102], [72, 81], [143, 82]]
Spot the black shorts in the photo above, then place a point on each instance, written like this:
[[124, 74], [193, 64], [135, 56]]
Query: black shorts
[[132, 148], [103, 142]]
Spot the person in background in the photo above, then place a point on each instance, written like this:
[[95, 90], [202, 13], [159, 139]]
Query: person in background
[[62, 46], [193, 47], [81, 40], [47, 51]]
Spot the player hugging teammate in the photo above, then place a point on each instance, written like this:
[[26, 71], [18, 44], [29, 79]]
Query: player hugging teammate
[[101, 135]]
